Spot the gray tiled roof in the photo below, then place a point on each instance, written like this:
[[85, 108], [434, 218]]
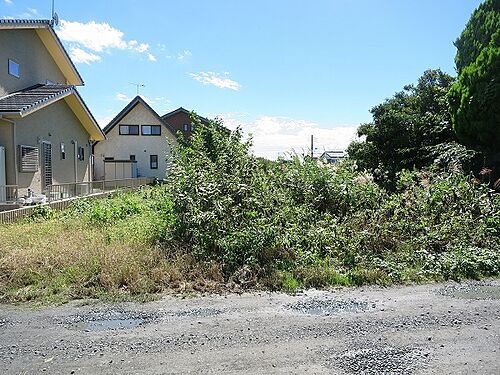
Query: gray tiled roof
[[32, 97], [17, 22]]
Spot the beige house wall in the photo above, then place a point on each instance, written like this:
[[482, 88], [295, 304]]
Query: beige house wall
[[121, 147], [55, 124], [35, 63], [6, 137]]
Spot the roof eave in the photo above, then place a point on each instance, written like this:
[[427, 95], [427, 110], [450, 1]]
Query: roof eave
[[60, 55], [85, 116]]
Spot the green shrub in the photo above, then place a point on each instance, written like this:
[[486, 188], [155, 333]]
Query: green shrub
[[239, 211]]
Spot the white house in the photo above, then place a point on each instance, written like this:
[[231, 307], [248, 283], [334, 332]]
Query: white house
[[137, 144]]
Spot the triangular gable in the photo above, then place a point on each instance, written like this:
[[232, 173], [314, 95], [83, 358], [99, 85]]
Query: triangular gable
[[51, 41], [129, 107]]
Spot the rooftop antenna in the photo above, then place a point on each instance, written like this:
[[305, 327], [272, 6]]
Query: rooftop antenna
[[137, 86], [55, 17]]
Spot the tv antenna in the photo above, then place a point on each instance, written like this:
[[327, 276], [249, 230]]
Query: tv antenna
[[138, 86], [55, 17]]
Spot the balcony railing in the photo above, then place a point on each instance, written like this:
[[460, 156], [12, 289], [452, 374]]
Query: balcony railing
[[9, 194], [80, 189]]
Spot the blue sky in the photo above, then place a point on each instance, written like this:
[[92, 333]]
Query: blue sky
[[282, 69]]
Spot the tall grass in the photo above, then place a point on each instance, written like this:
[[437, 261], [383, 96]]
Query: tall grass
[[104, 248]]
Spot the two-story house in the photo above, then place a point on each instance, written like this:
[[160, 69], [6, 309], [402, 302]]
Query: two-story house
[[138, 142], [46, 129]]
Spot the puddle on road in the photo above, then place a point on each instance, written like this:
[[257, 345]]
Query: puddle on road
[[118, 319], [112, 324], [472, 291], [327, 307]]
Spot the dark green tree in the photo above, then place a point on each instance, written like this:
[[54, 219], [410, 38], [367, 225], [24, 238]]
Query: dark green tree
[[475, 97], [410, 130]]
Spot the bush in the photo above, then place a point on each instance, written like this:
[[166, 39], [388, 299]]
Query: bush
[[236, 210]]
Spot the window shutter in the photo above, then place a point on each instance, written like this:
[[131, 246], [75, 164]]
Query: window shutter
[[28, 158]]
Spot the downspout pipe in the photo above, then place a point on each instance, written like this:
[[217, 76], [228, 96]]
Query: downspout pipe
[[75, 158]]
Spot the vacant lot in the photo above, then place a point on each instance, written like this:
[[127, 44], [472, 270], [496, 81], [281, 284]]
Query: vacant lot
[[431, 329]]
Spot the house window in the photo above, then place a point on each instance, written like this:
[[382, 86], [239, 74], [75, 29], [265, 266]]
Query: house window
[[14, 69], [129, 129], [28, 158], [81, 153], [132, 157], [185, 127], [63, 151], [151, 130], [153, 161]]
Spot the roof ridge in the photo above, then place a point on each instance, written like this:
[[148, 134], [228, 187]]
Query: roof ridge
[[25, 21]]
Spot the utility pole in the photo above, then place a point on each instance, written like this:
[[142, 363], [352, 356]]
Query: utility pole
[[137, 85], [312, 146]]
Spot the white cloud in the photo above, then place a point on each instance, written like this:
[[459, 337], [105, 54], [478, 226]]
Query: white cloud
[[122, 97], [78, 55], [216, 79], [279, 136], [94, 36], [99, 38], [9, 2], [159, 100], [143, 47], [184, 55], [104, 120]]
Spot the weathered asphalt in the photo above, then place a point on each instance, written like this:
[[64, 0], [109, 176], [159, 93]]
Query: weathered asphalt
[[427, 329]]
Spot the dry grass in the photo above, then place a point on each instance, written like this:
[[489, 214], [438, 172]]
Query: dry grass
[[57, 260]]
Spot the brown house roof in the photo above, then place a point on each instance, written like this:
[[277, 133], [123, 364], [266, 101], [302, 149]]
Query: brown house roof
[[183, 110]]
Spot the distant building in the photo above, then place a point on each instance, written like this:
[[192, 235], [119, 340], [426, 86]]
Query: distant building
[[180, 121], [137, 145], [332, 157]]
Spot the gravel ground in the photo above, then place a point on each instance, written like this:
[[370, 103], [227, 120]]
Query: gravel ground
[[427, 329]]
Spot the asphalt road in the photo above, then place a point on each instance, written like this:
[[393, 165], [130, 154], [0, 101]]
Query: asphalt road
[[427, 329]]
